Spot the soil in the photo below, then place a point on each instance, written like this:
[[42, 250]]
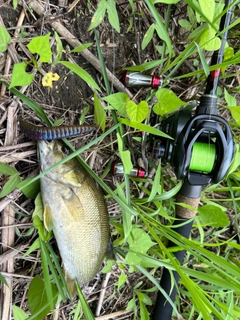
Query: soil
[[66, 100]]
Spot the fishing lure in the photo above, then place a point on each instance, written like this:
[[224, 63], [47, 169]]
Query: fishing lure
[[52, 133]]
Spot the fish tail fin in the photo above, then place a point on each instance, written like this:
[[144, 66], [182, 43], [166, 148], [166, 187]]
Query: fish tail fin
[[70, 285]]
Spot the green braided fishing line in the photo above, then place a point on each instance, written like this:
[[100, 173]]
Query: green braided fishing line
[[203, 157]]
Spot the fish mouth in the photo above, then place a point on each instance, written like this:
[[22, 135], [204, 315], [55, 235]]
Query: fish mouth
[[43, 148], [44, 151]]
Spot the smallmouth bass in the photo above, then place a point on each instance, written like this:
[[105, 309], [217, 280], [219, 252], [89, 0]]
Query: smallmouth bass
[[75, 210]]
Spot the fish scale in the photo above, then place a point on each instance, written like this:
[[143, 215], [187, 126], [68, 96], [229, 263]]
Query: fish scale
[[75, 210]]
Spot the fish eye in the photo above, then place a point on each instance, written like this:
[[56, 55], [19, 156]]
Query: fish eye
[[65, 150]]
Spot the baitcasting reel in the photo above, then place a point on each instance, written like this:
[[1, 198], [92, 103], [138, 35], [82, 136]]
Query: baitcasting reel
[[202, 148]]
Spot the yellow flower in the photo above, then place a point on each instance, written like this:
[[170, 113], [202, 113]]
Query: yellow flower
[[49, 78]]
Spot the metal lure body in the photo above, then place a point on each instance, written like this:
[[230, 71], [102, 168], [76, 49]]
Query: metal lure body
[[75, 210], [51, 133]]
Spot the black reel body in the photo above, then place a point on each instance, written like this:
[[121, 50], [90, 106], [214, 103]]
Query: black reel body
[[209, 133]]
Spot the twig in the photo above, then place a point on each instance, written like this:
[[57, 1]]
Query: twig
[[72, 5], [18, 156], [114, 315], [10, 254], [102, 293]]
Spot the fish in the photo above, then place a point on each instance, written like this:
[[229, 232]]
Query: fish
[[76, 212]]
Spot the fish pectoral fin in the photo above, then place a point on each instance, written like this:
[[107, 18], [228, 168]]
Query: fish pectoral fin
[[73, 178], [70, 285], [47, 218], [74, 206]]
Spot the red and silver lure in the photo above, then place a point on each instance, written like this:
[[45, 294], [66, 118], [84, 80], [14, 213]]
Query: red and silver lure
[[52, 133]]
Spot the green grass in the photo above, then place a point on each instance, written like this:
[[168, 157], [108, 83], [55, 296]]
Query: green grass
[[210, 276]]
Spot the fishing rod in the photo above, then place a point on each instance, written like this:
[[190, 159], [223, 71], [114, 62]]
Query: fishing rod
[[201, 153]]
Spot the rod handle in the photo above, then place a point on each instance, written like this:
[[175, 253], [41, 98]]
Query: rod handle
[[163, 309]]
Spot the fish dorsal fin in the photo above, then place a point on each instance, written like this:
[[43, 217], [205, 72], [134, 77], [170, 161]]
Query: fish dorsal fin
[[47, 218]]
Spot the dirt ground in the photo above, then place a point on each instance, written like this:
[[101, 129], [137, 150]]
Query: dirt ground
[[66, 100]]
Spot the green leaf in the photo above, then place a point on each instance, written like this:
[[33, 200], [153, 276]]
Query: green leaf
[[121, 280], [38, 299], [99, 113], [131, 305], [108, 267], [82, 47], [146, 65], [126, 160], [160, 27], [126, 225], [10, 185], [37, 218], [208, 8], [167, 102], [35, 246], [81, 73], [235, 112], [144, 127], [59, 48], [236, 161], [113, 15], [203, 61], [84, 112], [139, 242], [30, 190], [118, 101], [5, 39], [3, 280], [138, 112], [8, 170], [143, 297], [19, 76], [58, 122], [213, 216], [15, 4], [124, 155], [148, 36], [228, 54], [41, 46], [231, 101], [18, 313], [208, 40], [156, 184], [144, 314], [86, 309], [185, 24], [98, 15]]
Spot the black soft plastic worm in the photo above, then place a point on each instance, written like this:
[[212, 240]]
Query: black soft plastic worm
[[52, 133]]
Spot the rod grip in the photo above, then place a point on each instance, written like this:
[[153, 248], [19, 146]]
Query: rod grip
[[183, 212], [163, 309]]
